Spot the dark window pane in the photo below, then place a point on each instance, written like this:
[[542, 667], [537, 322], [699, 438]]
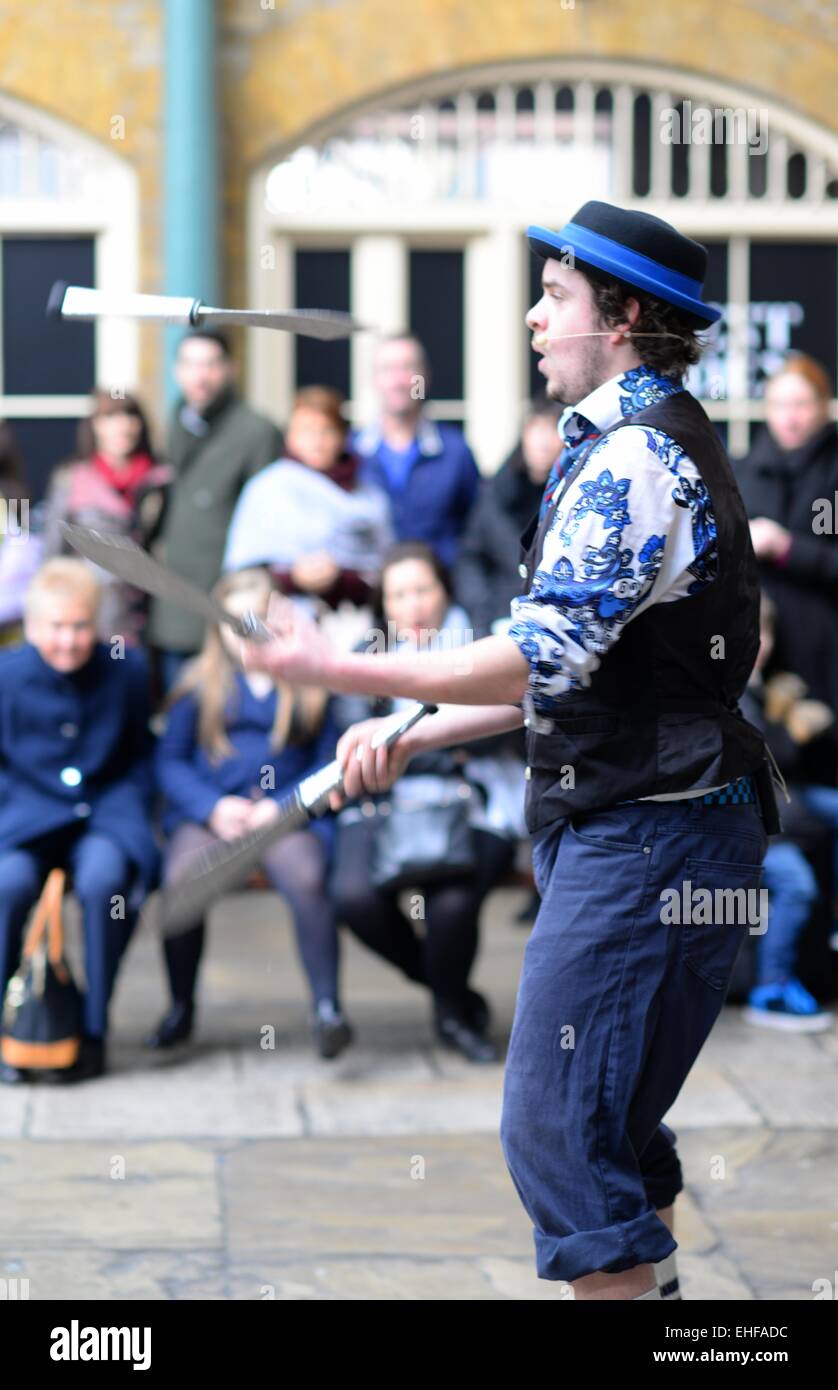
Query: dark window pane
[[321, 281], [796, 176], [436, 317], [604, 100], [524, 99], [44, 356], [43, 444], [794, 288], [642, 130], [564, 99], [718, 170], [757, 174], [680, 157], [708, 380], [536, 381]]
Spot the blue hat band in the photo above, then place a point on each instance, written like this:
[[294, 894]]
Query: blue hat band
[[626, 264]]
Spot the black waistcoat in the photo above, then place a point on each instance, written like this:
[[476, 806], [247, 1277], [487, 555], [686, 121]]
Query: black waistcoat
[[661, 713]]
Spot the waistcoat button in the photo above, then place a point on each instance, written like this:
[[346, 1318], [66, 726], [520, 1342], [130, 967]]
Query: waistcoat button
[[528, 773], [522, 570]]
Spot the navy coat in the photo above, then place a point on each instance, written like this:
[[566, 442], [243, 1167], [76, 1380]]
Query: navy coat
[[77, 748], [192, 782]]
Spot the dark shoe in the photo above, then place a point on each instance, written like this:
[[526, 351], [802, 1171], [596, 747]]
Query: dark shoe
[[174, 1027], [90, 1063], [478, 1013], [462, 1037], [12, 1076], [332, 1033], [529, 911]]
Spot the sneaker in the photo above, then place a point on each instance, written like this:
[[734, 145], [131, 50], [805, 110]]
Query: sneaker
[[332, 1032], [666, 1273], [786, 1006]]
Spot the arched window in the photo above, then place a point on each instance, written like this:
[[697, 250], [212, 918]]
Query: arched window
[[68, 211], [424, 206]]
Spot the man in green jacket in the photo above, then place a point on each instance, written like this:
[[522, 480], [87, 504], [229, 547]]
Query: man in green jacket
[[216, 444]]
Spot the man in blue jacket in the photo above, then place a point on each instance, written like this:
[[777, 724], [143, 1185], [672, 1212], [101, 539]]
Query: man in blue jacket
[[76, 784], [426, 469]]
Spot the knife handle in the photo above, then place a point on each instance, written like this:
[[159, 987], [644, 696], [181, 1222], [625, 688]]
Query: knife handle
[[314, 791]]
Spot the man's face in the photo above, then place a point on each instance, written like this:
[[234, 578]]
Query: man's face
[[399, 376], [572, 367], [201, 371], [63, 629]]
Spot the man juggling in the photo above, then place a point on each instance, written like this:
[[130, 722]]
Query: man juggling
[[627, 653]]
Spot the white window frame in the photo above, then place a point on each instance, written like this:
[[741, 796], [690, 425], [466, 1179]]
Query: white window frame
[[105, 207], [495, 249]]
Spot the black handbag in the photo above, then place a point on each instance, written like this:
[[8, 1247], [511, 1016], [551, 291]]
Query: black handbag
[[42, 1010], [420, 843]]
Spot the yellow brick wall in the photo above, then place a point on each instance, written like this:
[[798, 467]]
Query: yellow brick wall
[[286, 66]]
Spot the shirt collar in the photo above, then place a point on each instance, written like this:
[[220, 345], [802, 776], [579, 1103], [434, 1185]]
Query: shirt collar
[[428, 438], [616, 399]]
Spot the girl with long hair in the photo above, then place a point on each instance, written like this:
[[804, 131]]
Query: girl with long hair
[[234, 744]]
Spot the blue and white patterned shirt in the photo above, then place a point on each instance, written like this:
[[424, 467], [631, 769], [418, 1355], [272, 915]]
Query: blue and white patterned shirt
[[634, 528]]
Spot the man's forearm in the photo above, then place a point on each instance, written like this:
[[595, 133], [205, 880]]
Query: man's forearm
[[492, 671], [456, 724]]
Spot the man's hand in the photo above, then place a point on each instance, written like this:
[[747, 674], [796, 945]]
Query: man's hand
[[230, 817], [368, 769], [299, 653]]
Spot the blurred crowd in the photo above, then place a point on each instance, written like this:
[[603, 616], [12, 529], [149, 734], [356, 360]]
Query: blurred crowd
[[130, 740]]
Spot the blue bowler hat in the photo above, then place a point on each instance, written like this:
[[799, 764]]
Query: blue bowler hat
[[636, 248]]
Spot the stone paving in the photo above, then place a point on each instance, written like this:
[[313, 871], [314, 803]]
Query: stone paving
[[230, 1170]]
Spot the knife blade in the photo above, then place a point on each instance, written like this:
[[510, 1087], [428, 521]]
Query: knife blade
[[124, 558]]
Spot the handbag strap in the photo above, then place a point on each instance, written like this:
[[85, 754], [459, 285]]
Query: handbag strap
[[47, 915]]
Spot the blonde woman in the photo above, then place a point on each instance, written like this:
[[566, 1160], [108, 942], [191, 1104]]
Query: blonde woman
[[234, 744]]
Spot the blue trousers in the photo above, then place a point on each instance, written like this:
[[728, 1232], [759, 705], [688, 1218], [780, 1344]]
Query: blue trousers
[[793, 888], [622, 981], [99, 871]]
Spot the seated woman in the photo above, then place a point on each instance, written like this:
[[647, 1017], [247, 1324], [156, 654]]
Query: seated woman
[[233, 746], [76, 785], [113, 484], [320, 530], [415, 608], [21, 548]]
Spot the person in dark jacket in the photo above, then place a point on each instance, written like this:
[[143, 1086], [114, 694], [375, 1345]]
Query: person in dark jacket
[[216, 444], [233, 746], [415, 610], [76, 785], [790, 723], [487, 576], [426, 469], [789, 483]]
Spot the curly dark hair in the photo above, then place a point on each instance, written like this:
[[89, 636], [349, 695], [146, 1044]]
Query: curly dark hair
[[670, 356]]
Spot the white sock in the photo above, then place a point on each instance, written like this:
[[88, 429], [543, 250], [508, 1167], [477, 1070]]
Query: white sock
[[652, 1293], [666, 1273]]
